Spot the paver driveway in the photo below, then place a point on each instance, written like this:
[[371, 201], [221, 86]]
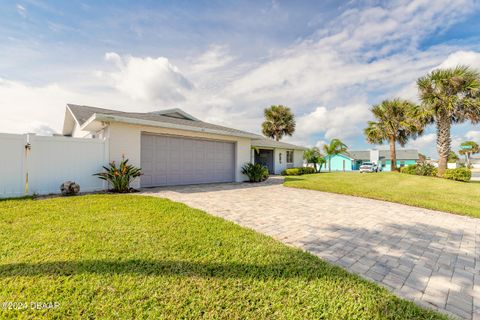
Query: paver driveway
[[426, 256]]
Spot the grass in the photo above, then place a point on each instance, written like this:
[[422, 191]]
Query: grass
[[127, 256], [426, 192]]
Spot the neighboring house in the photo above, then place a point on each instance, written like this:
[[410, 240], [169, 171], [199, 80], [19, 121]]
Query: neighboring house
[[174, 148], [354, 159], [339, 162]]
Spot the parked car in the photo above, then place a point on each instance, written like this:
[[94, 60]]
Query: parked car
[[368, 167]]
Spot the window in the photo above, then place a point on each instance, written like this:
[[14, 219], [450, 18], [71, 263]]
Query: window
[[280, 157], [290, 156]]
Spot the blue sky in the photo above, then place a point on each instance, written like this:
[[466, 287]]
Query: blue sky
[[225, 61]]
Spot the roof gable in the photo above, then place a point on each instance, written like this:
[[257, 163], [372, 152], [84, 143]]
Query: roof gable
[[84, 115], [175, 113]]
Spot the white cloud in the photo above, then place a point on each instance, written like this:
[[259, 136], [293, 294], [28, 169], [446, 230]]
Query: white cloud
[[149, 79], [24, 107], [21, 10], [424, 143], [469, 58], [473, 135], [215, 57], [339, 122]]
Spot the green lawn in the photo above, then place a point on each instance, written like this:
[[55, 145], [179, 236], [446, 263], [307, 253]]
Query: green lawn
[[427, 192], [126, 256]]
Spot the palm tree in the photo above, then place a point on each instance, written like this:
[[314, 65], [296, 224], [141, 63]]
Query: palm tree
[[279, 121], [452, 157], [396, 121], [313, 156], [335, 147], [468, 148], [449, 96]]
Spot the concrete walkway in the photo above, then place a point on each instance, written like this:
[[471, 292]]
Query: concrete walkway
[[427, 256]]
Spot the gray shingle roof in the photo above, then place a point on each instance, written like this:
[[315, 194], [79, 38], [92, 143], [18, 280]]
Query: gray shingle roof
[[83, 113], [402, 154], [270, 143], [359, 155]]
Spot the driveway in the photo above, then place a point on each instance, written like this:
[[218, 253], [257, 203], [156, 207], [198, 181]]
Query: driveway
[[430, 257]]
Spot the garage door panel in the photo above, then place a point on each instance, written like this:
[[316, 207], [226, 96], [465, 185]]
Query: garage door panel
[[169, 160]]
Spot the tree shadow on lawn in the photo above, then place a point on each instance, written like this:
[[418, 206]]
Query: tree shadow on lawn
[[309, 268]]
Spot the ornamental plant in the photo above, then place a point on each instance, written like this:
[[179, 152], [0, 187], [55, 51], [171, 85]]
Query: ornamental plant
[[120, 177]]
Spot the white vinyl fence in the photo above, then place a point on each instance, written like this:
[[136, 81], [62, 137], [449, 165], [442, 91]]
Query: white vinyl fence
[[33, 164]]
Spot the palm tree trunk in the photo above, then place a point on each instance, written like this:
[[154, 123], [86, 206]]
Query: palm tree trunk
[[329, 163], [443, 143], [393, 155]]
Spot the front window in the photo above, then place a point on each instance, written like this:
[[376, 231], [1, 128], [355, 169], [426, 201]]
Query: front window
[[290, 156], [280, 157]]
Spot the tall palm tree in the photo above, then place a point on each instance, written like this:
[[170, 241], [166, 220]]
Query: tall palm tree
[[335, 147], [396, 121], [279, 121], [468, 148], [449, 96]]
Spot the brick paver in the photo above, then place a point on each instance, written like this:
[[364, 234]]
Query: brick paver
[[430, 257]]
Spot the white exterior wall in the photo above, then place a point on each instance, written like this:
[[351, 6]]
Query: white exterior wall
[[77, 133], [49, 162], [125, 140], [298, 158], [279, 167]]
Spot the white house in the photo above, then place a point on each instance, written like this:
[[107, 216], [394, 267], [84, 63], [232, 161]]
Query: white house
[[174, 148]]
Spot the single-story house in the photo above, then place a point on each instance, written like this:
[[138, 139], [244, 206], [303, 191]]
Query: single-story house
[[354, 159], [175, 148]]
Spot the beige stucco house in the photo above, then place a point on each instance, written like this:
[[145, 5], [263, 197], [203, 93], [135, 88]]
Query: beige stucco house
[[174, 148]]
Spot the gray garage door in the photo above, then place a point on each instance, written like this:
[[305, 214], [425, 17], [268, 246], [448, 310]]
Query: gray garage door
[[168, 161]]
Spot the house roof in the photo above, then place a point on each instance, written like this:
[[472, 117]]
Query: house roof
[[172, 118], [339, 155], [270, 143], [402, 154], [360, 155]]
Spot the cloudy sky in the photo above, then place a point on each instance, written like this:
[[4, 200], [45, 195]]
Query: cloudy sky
[[225, 61]]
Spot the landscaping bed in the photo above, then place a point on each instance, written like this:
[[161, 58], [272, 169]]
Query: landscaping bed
[[127, 256]]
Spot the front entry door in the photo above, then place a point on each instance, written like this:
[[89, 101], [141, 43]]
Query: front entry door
[[265, 158]]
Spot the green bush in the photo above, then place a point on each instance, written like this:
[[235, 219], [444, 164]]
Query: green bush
[[410, 169], [292, 172], [120, 177], [421, 169], [459, 174], [307, 170], [298, 171], [426, 169], [255, 172]]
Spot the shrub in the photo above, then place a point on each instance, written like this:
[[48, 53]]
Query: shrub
[[120, 177], [459, 174], [291, 172], [298, 171], [410, 169], [426, 169], [255, 172], [307, 170], [421, 169]]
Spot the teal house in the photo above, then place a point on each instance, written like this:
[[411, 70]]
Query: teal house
[[354, 159], [339, 162]]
